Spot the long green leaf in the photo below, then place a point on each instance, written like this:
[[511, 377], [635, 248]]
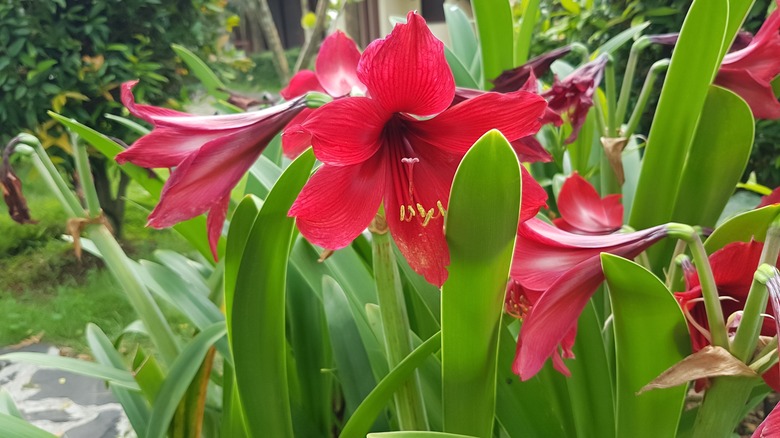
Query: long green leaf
[[179, 378], [462, 38], [14, 427], [205, 75], [693, 65], [651, 335], [257, 319], [90, 369], [717, 159], [526, 31], [496, 34], [618, 40], [743, 227], [481, 248], [133, 403], [7, 405], [365, 415], [352, 362]]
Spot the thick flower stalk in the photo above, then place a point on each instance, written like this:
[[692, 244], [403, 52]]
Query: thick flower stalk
[[400, 147], [583, 211], [209, 154], [335, 74], [733, 267], [555, 274], [770, 427]]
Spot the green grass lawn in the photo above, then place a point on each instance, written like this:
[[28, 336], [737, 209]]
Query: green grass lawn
[[45, 289]]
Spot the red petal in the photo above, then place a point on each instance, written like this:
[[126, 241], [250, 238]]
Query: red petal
[[300, 84], [530, 150], [554, 316], [421, 242], [455, 130], [295, 139], [166, 147], [772, 198], [215, 222], [202, 181], [407, 72], [581, 207], [757, 92], [770, 427], [346, 131], [339, 202], [337, 64], [534, 196]]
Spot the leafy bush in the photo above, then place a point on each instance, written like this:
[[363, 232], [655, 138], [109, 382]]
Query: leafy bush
[[72, 55]]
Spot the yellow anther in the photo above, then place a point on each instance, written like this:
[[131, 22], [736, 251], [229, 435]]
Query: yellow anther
[[411, 212], [421, 209], [441, 208], [428, 217], [402, 213]]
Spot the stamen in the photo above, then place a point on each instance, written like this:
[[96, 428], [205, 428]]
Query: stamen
[[441, 208], [411, 212], [402, 213], [428, 217], [421, 209]]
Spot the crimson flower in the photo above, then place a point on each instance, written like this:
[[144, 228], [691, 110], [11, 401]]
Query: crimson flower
[[335, 73], [556, 273], [516, 78], [386, 148], [584, 212], [733, 267], [573, 96], [210, 155], [750, 71]]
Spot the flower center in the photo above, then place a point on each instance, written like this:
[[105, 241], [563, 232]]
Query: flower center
[[410, 208]]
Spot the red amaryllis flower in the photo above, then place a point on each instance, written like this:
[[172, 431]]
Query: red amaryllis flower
[[750, 71], [559, 272], [373, 150], [210, 155], [516, 78], [335, 73], [584, 212], [733, 267], [573, 96]]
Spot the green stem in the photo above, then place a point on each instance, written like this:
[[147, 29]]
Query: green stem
[[609, 80], [398, 342], [85, 178], [749, 328], [116, 259], [721, 409], [52, 177], [644, 95], [628, 82], [709, 290], [766, 358], [679, 249]]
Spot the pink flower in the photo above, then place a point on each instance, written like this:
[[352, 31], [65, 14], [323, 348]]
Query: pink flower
[[573, 96], [750, 71], [210, 155], [584, 212], [335, 73], [772, 198], [770, 427], [387, 149], [558, 273]]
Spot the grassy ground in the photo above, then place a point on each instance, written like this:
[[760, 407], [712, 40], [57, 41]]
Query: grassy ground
[[45, 289]]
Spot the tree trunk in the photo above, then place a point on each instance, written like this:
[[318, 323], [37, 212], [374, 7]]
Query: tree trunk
[[262, 13]]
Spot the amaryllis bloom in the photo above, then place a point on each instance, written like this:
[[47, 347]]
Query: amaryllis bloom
[[558, 272], [210, 154], [516, 78], [335, 73], [401, 146], [733, 267], [573, 96], [584, 212], [750, 71]]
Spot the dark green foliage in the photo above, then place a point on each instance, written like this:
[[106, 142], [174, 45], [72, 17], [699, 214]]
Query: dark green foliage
[[72, 55]]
